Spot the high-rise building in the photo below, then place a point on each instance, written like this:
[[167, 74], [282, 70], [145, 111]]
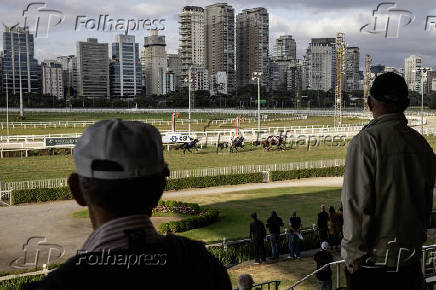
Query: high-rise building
[[154, 64], [125, 67], [321, 64], [431, 82], [220, 45], [192, 40], [252, 45], [19, 64], [52, 79], [413, 72], [69, 67], [377, 69], [285, 48], [174, 66], [1, 72], [92, 69], [352, 75]]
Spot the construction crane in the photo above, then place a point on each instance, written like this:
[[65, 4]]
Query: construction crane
[[340, 71], [366, 81]]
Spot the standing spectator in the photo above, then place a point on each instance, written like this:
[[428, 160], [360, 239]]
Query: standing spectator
[[387, 194], [274, 223], [334, 228], [323, 218], [257, 235], [294, 236], [245, 282], [341, 220], [322, 258]]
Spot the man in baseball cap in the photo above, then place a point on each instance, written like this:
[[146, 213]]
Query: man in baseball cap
[[121, 175], [323, 257]]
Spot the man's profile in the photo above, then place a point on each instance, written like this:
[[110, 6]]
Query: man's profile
[[121, 175]]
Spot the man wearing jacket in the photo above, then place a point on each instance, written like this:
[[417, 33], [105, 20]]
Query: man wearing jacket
[[274, 223], [387, 194], [257, 235]]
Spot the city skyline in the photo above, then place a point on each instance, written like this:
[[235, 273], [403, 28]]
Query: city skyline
[[302, 20]]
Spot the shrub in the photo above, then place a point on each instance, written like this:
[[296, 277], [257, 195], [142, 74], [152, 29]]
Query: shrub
[[305, 173], [206, 216]]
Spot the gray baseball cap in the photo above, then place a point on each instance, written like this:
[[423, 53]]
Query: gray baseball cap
[[117, 149]]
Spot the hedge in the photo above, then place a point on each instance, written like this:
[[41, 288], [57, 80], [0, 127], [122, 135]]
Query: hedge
[[47, 194], [209, 181], [305, 173], [40, 195], [238, 253], [206, 217]]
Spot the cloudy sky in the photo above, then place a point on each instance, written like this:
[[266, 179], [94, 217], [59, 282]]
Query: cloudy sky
[[303, 19]]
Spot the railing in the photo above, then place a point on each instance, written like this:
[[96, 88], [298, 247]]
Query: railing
[[427, 267], [44, 271], [338, 274], [274, 283], [230, 170]]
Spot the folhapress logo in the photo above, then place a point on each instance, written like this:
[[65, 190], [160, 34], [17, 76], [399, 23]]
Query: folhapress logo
[[107, 23]]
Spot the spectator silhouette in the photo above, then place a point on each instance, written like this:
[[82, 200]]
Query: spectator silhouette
[[387, 194], [322, 258], [257, 235], [334, 227], [274, 223], [245, 282], [294, 236], [121, 175], [322, 224]]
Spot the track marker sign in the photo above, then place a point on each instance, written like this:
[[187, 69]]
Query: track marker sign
[[60, 142]]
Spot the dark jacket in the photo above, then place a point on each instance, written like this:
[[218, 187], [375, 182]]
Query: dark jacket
[[295, 223], [257, 230], [387, 195], [171, 263], [274, 223], [323, 218], [321, 258]]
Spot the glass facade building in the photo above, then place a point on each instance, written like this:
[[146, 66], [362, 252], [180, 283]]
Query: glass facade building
[[125, 68], [19, 63]]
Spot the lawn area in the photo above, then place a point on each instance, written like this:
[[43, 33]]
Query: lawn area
[[43, 167], [235, 208]]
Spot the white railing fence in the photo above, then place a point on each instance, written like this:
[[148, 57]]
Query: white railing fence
[[241, 169]]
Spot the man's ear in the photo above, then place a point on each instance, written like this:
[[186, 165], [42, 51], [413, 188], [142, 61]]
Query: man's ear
[[76, 191]]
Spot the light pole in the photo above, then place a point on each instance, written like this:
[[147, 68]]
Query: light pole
[[7, 106], [422, 107], [189, 81], [257, 76]]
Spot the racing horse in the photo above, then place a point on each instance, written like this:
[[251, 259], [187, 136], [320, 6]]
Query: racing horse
[[279, 141], [237, 142], [188, 145]]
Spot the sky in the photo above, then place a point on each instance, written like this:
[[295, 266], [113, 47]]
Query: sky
[[303, 19]]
